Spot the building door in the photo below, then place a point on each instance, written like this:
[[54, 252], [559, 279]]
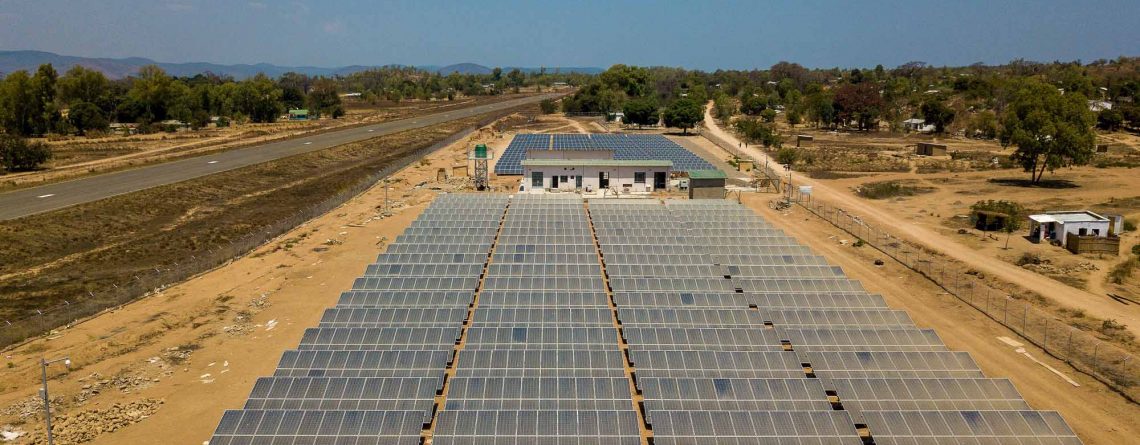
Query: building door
[[554, 182], [578, 181], [659, 180], [603, 180]]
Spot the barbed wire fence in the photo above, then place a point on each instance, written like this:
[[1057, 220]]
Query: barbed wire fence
[[1084, 350], [77, 308]]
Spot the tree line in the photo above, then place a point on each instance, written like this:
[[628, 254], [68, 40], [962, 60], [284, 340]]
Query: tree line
[[1041, 108], [83, 100]]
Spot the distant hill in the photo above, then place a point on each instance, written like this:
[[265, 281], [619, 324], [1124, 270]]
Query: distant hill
[[119, 68]]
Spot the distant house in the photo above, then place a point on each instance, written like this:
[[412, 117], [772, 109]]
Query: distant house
[[559, 84], [351, 95], [123, 129], [299, 114], [917, 125], [1097, 106], [1056, 225], [929, 149]]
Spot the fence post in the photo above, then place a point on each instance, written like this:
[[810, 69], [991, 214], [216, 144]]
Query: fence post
[[1045, 340], [1096, 348], [1024, 318], [1005, 313]]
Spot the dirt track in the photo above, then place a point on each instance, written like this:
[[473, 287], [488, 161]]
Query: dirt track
[[1095, 305]]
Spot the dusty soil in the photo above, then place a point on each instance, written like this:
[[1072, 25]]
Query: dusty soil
[[76, 156], [1098, 415], [199, 346], [1067, 297], [83, 254]]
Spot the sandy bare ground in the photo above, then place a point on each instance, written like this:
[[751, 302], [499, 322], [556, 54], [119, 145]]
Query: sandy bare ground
[[236, 320], [1096, 305]]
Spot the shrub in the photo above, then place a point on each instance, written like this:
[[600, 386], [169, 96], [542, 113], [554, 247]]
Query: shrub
[[889, 189], [1129, 225], [1123, 271], [1029, 258], [787, 156], [17, 154], [548, 106]]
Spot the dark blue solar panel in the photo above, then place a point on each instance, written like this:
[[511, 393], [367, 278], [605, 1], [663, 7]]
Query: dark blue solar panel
[[635, 147]]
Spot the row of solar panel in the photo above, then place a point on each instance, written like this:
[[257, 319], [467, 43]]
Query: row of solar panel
[[843, 337], [370, 372]]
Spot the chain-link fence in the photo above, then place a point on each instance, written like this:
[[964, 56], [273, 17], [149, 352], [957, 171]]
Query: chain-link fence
[[74, 309], [1085, 350]]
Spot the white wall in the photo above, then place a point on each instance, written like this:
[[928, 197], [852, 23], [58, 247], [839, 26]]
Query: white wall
[[619, 176], [1075, 228]]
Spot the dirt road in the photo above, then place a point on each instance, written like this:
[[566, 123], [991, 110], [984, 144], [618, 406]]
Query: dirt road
[[1096, 305]]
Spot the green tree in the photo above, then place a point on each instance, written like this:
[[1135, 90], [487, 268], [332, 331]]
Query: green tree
[[548, 106], [324, 98], [937, 113], [259, 98], [768, 115], [724, 107], [80, 84], [16, 104], [17, 154], [753, 104], [1109, 120], [1013, 215], [794, 117], [755, 131], [982, 125], [155, 94], [787, 156], [683, 114], [45, 113], [1050, 130], [861, 103], [86, 116], [515, 79], [642, 111]]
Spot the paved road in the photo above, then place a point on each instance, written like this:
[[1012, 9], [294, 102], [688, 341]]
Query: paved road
[[30, 201]]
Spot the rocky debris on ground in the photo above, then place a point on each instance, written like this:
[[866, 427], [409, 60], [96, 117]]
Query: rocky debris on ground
[[243, 319], [1048, 268], [31, 407], [124, 382], [85, 426]]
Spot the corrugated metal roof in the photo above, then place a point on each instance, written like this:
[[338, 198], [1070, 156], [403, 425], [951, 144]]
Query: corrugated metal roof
[[707, 174]]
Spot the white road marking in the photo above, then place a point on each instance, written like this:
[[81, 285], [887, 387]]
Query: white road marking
[[1011, 342], [370, 130], [49, 195], [212, 162], [309, 143]]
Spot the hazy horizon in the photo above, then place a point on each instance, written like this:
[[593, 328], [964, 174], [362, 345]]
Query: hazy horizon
[[705, 35]]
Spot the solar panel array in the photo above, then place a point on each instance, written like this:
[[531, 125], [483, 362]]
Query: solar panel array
[[737, 336], [542, 362], [370, 371], [636, 147]]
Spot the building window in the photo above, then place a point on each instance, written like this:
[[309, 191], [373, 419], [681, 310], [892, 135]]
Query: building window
[[536, 179], [639, 177]]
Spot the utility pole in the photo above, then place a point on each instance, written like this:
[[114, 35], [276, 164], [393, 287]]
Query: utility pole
[[47, 400], [385, 196]]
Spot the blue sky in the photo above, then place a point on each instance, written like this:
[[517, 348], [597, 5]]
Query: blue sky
[[691, 34]]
